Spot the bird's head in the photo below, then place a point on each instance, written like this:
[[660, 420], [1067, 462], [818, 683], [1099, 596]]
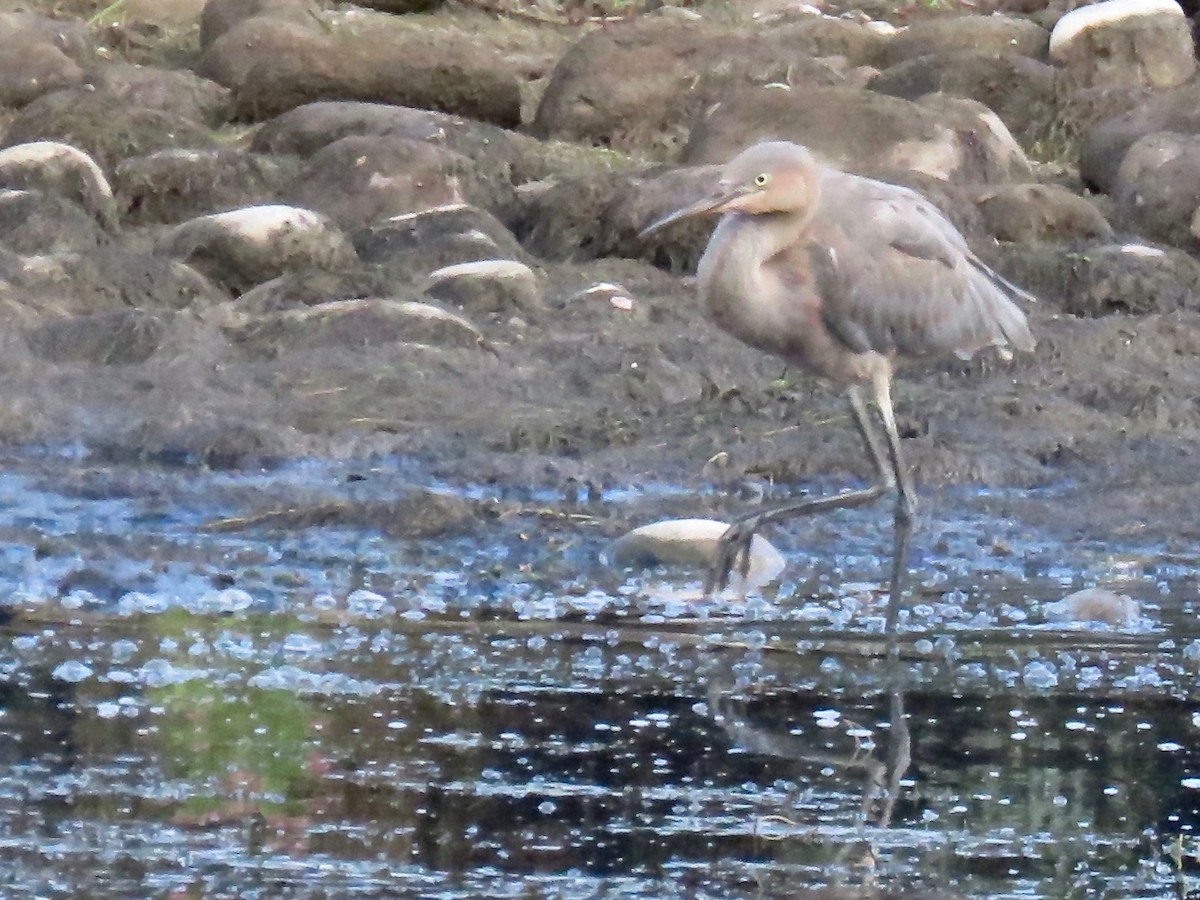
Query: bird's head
[[771, 177]]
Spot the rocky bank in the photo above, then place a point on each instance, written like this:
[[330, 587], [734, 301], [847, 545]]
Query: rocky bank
[[245, 231]]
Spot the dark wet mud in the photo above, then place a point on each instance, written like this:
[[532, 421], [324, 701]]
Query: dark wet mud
[[227, 685]]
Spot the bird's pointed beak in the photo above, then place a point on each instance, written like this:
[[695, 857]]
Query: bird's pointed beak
[[716, 202]]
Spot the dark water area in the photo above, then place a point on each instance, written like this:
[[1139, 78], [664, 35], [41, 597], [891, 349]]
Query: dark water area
[[203, 696]]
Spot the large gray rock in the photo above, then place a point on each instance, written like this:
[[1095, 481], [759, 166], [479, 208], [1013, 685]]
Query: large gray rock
[[357, 181], [39, 55], [1144, 43], [103, 124], [1019, 213], [947, 138], [38, 224], [1020, 90], [177, 92], [412, 245], [1157, 192], [171, 186], [1105, 145], [60, 169], [368, 59], [244, 247], [1131, 279], [989, 35], [220, 16], [638, 85]]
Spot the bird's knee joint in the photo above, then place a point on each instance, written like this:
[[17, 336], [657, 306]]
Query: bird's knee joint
[[906, 509]]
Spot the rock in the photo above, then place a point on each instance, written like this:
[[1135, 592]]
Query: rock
[[1020, 90], [681, 70], [103, 125], [122, 337], [987, 35], [691, 543], [369, 322], [308, 129], [39, 55], [60, 169], [642, 200], [171, 186], [161, 16], [398, 7], [29, 70], [496, 288], [219, 16], [36, 223], [373, 61], [1157, 192], [113, 278], [410, 246], [1095, 605], [1105, 145], [245, 247], [1131, 279], [357, 181], [312, 288], [565, 221], [859, 130], [177, 92], [1040, 212], [1125, 42], [230, 58]]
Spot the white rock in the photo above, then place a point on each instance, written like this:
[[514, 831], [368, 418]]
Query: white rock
[[1095, 605], [59, 168], [691, 543], [1109, 12]]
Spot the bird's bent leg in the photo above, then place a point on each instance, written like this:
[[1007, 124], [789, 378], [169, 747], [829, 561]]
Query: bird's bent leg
[[733, 548], [906, 506]]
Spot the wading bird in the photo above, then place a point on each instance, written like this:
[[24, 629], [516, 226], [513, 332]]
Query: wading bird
[[843, 276]]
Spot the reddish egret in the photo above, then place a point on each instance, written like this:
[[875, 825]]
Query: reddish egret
[[843, 276]]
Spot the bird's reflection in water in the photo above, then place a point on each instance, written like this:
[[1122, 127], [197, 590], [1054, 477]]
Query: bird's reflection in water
[[840, 744]]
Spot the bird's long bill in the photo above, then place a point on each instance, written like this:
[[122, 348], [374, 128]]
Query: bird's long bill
[[713, 203]]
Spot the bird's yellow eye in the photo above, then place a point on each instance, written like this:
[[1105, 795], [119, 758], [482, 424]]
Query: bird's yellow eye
[[761, 180]]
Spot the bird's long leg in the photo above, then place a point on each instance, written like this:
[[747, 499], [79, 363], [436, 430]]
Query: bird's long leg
[[735, 542], [906, 504]]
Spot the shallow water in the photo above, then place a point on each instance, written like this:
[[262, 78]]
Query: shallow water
[[197, 699]]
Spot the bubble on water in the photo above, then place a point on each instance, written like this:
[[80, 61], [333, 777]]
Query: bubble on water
[[108, 710], [1060, 800], [1039, 674], [79, 599], [924, 646], [1090, 676], [123, 650], [413, 615], [369, 604], [1192, 783], [223, 602], [432, 604], [72, 671], [302, 644], [546, 808], [827, 718], [1144, 676], [324, 602], [136, 603], [285, 678], [162, 673], [25, 642]]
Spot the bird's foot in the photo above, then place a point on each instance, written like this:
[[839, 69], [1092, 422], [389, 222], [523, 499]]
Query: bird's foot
[[733, 551]]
